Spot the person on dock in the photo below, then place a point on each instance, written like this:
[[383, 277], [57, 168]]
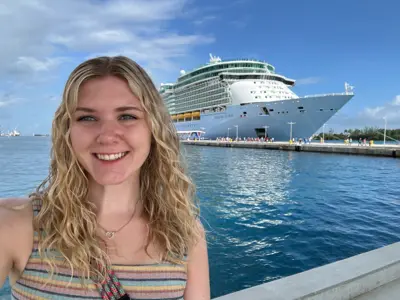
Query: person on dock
[[116, 217]]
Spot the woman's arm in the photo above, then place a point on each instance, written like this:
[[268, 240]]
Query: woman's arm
[[198, 281], [16, 236]]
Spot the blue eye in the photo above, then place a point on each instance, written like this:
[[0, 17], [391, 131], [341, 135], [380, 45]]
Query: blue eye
[[86, 118], [127, 117]]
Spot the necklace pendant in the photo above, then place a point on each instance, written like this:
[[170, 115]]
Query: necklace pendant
[[110, 234]]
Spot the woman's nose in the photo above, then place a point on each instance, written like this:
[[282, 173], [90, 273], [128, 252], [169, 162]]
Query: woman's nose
[[109, 132]]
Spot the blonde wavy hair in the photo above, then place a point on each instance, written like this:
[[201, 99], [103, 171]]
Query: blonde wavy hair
[[68, 219]]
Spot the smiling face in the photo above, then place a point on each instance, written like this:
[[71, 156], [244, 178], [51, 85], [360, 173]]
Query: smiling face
[[110, 134]]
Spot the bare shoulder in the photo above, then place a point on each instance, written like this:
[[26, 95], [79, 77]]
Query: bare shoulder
[[16, 232], [198, 281], [14, 203], [16, 216]]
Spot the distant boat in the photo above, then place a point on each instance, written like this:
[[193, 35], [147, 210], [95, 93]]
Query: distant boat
[[40, 134], [14, 132]]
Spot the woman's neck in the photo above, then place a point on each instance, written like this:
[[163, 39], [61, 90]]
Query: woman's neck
[[115, 200]]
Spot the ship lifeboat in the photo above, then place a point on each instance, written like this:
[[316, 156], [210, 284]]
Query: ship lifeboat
[[188, 115], [181, 116], [174, 117], [196, 114]]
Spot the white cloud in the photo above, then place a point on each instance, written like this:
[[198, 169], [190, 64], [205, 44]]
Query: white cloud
[[204, 20], [308, 80], [46, 33], [31, 63], [111, 36], [5, 103], [389, 110], [8, 99], [373, 111], [396, 101], [371, 116]]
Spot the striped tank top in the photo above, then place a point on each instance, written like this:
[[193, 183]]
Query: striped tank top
[[148, 281]]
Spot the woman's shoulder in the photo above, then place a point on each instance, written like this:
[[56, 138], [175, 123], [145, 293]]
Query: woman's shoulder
[[15, 204], [15, 214], [16, 231]]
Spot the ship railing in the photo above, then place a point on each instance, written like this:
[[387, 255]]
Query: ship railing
[[228, 60], [235, 59], [324, 95]]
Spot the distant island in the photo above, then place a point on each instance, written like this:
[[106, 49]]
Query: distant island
[[41, 134], [369, 133]]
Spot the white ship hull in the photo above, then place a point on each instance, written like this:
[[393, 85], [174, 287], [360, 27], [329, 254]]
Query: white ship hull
[[314, 112]]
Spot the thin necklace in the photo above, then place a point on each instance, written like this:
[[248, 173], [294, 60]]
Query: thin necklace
[[110, 234]]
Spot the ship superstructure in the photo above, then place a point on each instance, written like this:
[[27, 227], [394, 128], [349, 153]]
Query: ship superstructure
[[246, 98]]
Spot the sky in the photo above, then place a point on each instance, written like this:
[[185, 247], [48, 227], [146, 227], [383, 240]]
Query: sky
[[320, 44]]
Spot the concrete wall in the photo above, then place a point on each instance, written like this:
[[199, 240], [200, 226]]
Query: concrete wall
[[377, 150], [345, 279]]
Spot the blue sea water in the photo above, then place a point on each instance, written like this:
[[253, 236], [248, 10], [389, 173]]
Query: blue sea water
[[268, 214]]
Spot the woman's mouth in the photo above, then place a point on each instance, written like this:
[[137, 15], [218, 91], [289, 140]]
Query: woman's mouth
[[110, 157]]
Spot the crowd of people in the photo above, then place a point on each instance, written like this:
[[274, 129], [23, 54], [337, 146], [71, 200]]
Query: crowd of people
[[246, 139], [297, 141]]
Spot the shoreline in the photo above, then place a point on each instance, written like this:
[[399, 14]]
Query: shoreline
[[387, 150]]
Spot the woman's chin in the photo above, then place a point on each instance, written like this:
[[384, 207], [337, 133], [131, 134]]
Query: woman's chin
[[109, 180]]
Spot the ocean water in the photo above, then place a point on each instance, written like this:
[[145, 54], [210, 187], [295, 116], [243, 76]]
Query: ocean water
[[268, 214]]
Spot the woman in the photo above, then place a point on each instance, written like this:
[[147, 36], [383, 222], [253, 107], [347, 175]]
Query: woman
[[115, 217]]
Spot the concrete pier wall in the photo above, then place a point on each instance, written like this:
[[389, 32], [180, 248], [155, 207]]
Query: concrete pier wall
[[376, 150], [371, 275]]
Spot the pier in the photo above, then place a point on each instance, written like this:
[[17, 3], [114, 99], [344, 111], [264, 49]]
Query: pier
[[388, 150], [373, 275]]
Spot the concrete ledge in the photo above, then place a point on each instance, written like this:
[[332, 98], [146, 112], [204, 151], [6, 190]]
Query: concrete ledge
[[345, 279], [386, 292], [376, 150]]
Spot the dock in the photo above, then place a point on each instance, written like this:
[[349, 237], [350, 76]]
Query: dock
[[374, 275], [388, 150]]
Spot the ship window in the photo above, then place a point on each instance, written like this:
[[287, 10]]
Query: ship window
[[271, 109], [321, 109]]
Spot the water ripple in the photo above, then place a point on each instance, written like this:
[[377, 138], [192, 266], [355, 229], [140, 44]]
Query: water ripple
[[272, 214]]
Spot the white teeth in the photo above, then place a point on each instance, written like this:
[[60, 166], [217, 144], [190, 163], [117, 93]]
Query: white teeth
[[110, 156]]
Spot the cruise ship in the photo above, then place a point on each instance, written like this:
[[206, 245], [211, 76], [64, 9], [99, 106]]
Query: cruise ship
[[244, 98]]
